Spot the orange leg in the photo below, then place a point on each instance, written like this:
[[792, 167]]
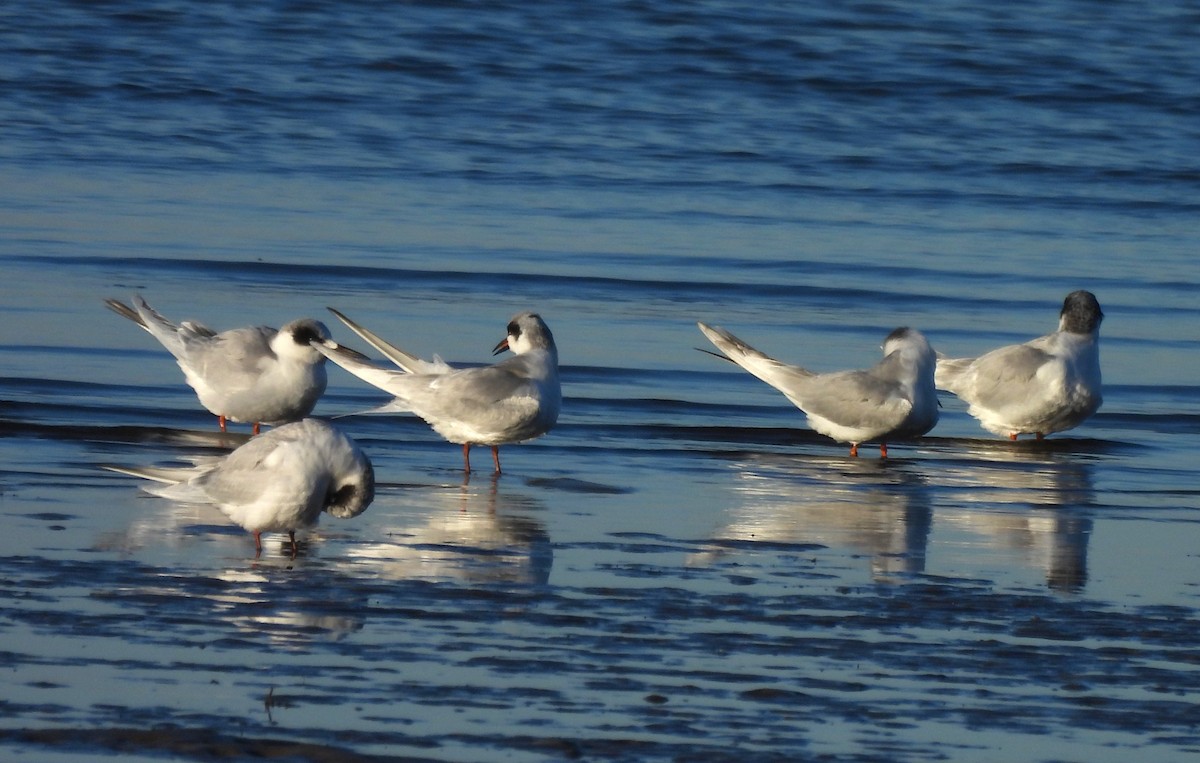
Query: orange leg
[[1013, 437], [221, 421], [854, 449], [467, 457], [256, 427], [496, 457], [295, 548], [257, 544], [883, 450], [1040, 436]]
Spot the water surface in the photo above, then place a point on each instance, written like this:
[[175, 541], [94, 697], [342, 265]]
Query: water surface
[[681, 569]]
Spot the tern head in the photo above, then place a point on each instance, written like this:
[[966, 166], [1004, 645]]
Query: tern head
[[295, 340], [526, 331], [1080, 314], [905, 337], [352, 494], [913, 345]]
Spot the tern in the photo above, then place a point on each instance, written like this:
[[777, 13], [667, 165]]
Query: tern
[[893, 400], [279, 481], [256, 374], [514, 400], [1046, 385]]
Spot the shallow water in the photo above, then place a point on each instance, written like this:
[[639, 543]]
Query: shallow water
[[681, 569]]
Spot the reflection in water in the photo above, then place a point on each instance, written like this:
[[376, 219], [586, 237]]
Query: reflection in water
[[473, 535], [1046, 539], [170, 525], [1029, 501], [1012, 499], [470, 535], [872, 506], [249, 600]]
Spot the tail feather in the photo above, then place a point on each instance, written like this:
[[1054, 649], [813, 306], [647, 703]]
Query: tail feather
[[151, 318], [159, 326], [757, 363], [164, 474], [125, 311], [948, 370]]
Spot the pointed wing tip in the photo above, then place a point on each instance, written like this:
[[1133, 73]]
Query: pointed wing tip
[[146, 473], [346, 320], [125, 311]]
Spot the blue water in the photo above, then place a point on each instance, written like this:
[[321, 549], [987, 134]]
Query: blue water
[[681, 569]]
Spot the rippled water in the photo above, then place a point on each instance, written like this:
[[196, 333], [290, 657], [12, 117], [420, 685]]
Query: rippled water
[[681, 569]]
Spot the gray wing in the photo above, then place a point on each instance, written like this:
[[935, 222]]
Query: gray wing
[[476, 392], [400, 384], [240, 477], [853, 399], [406, 360], [1000, 378], [233, 359]]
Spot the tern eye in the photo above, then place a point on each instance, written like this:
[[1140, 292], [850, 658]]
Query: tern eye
[[306, 334], [514, 330]]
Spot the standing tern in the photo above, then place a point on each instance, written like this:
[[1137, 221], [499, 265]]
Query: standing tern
[[514, 400], [893, 400], [280, 481], [254, 374], [1049, 384]]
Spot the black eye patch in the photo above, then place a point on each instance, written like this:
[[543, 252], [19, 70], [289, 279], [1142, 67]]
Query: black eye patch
[[513, 329], [342, 496], [309, 332], [304, 336]]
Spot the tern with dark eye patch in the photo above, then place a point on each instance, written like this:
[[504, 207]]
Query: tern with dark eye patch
[[257, 375], [280, 481], [514, 400]]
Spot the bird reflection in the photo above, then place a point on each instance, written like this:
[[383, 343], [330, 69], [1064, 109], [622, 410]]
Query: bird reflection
[[470, 534], [1022, 500], [473, 534], [175, 526], [248, 599], [874, 507], [246, 596], [1025, 500]]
